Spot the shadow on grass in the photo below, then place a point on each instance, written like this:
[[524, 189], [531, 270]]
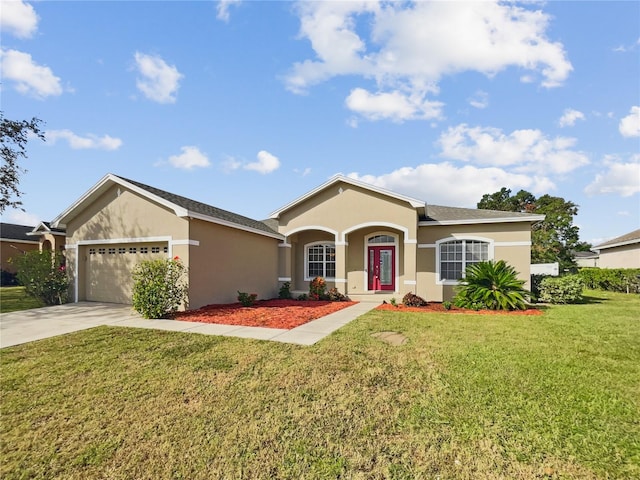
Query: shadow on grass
[[589, 300]]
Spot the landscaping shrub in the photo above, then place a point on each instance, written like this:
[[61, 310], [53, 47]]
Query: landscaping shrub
[[413, 300], [247, 299], [285, 291], [44, 276], [318, 289], [334, 295], [624, 280], [491, 285], [567, 289], [159, 287]]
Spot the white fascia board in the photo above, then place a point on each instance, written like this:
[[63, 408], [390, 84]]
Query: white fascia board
[[415, 203], [619, 244], [102, 186], [218, 221], [15, 240], [472, 221]]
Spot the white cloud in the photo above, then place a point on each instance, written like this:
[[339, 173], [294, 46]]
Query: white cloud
[[447, 184], [570, 117], [413, 45], [230, 164], [190, 158], [23, 218], [630, 125], [18, 18], [29, 77], [223, 9], [90, 141], [619, 178], [394, 105], [266, 163], [157, 81], [521, 150], [480, 99]]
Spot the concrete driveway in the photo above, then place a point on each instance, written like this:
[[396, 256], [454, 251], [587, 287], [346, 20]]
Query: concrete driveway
[[29, 325]]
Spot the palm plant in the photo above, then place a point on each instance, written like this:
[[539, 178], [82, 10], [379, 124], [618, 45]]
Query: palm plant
[[492, 285]]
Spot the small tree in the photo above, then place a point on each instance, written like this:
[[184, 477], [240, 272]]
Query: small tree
[[44, 276], [492, 285], [159, 287], [13, 140]]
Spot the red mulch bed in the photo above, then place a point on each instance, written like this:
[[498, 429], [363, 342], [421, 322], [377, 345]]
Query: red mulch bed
[[264, 313], [438, 308]]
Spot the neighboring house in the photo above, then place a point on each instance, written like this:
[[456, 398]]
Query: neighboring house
[[49, 238], [620, 252], [586, 259], [14, 240], [360, 238]]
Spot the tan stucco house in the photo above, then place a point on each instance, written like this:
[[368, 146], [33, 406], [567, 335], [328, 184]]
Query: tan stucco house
[[362, 239], [620, 252]]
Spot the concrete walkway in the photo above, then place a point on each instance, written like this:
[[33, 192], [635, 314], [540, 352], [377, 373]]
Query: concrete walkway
[[30, 325]]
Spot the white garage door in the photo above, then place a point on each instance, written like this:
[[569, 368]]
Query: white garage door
[[109, 269]]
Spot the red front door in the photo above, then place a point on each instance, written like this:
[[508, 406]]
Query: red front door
[[382, 268]]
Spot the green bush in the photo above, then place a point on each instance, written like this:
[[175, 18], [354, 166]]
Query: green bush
[[491, 285], [624, 280], [413, 300], [159, 287], [285, 291], [567, 289], [247, 299], [44, 276]]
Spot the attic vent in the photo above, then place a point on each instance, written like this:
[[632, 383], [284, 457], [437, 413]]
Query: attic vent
[[340, 190], [119, 192]]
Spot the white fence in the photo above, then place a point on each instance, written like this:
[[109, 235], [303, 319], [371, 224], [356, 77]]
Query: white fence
[[552, 269]]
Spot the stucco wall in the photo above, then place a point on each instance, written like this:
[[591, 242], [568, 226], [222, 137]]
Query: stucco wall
[[227, 260], [511, 244], [119, 215], [10, 249], [625, 256]]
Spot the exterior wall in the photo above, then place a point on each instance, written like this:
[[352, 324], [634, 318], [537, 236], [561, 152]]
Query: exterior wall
[[344, 214], [511, 243], [625, 256], [119, 216], [13, 248], [227, 260]]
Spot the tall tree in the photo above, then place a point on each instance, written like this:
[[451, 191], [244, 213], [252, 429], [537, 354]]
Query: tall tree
[[14, 135], [552, 240]]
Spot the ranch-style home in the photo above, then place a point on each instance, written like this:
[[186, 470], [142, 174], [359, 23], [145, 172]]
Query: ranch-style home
[[362, 239]]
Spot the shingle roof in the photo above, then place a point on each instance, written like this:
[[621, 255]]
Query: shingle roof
[[11, 231], [627, 238], [439, 213], [204, 209]]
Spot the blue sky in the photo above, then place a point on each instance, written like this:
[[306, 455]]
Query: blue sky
[[247, 105]]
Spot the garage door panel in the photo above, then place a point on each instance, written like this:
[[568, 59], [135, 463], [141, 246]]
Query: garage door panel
[[110, 268]]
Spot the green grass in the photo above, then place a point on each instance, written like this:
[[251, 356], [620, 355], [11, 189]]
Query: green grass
[[14, 298], [469, 396]]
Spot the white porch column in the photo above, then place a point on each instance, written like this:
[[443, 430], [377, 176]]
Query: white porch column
[[341, 266], [410, 266]]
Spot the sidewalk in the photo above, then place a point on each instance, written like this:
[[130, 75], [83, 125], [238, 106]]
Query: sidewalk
[[30, 325]]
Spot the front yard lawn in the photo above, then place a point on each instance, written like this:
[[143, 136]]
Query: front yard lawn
[[467, 397], [15, 298]]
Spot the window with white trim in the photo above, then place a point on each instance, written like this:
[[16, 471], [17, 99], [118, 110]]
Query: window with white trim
[[457, 255], [320, 260]]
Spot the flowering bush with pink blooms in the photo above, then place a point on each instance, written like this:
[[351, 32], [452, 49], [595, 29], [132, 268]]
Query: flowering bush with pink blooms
[[159, 287]]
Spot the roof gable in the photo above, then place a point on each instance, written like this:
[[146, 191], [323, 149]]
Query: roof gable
[[415, 203], [182, 206], [626, 239]]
